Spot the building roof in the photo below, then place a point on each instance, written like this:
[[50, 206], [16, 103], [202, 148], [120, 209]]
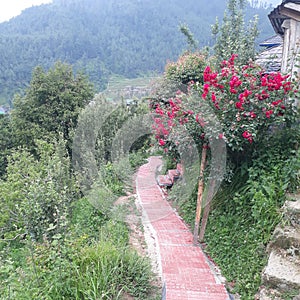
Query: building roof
[[272, 41], [270, 59], [280, 13]]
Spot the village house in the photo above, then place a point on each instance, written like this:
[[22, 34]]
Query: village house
[[285, 19], [282, 50]]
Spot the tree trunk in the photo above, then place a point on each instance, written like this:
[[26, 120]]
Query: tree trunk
[[206, 210], [200, 194]]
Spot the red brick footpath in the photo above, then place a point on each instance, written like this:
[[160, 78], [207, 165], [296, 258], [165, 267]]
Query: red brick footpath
[[185, 271]]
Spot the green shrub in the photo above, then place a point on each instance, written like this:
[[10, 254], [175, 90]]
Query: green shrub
[[116, 232], [112, 180], [86, 219], [189, 67], [242, 222], [77, 269]]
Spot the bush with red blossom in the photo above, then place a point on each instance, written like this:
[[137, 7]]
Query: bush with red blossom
[[247, 102]]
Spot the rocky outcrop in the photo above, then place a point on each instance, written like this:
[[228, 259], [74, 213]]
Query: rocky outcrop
[[281, 277]]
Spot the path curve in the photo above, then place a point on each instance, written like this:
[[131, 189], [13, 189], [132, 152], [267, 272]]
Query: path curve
[[183, 267]]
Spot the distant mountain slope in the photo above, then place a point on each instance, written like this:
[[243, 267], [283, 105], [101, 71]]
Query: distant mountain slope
[[103, 37]]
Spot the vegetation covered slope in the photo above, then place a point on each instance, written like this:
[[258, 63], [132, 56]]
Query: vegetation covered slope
[[127, 37], [55, 242]]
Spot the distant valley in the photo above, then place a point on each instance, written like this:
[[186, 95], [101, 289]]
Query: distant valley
[[102, 38]]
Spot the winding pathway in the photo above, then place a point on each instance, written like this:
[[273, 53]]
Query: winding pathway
[[185, 270]]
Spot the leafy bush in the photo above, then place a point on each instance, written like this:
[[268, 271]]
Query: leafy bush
[[50, 106], [86, 219], [112, 180], [76, 270], [247, 104], [139, 151], [37, 193], [188, 68], [85, 256]]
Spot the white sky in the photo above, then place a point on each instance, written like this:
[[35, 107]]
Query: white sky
[[273, 2], [12, 8]]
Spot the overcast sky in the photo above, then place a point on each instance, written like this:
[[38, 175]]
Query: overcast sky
[[273, 2], [12, 8]]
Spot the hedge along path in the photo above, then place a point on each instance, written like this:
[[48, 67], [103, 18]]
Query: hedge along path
[[185, 270]]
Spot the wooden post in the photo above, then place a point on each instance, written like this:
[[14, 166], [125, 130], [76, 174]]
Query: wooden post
[[200, 194]]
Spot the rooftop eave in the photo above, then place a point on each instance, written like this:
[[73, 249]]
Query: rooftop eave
[[287, 9]]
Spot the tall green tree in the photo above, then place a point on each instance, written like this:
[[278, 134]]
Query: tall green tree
[[232, 36], [37, 193], [192, 43], [7, 142], [50, 106]]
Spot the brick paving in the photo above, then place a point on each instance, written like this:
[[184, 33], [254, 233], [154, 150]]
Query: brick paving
[[185, 270]]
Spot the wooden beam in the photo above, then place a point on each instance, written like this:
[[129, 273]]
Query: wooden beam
[[275, 16], [290, 13], [293, 6]]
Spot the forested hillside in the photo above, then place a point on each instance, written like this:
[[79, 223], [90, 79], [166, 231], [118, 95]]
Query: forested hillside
[[104, 37]]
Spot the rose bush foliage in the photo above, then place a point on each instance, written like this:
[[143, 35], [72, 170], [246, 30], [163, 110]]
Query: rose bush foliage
[[248, 103]]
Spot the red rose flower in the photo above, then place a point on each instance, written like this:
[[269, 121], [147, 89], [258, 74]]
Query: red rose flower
[[269, 113], [248, 136], [161, 142]]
